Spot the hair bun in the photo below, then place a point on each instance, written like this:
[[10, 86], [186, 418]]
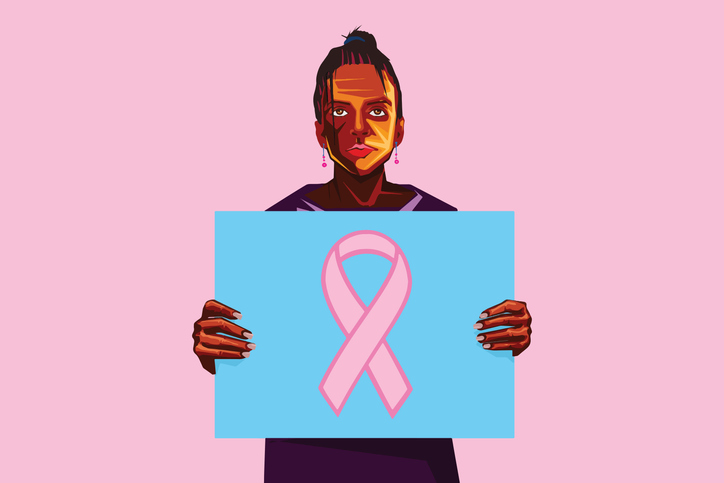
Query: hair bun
[[364, 38]]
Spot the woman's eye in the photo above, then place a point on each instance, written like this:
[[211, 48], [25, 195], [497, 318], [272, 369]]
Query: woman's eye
[[339, 112], [377, 112]]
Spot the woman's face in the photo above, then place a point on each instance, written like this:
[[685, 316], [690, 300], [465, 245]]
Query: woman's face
[[361, 127]]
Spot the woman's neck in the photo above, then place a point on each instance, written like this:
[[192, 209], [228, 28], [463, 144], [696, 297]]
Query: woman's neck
[[354, 190], [348, 191]]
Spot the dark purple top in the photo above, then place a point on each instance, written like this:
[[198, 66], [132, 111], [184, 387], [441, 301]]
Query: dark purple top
[[351, 460], [422, 201]]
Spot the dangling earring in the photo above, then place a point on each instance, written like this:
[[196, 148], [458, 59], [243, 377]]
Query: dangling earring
[[324, 160], [396, 160]]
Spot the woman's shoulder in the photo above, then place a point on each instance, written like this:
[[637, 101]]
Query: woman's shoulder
[[296, 201], [427, 202]]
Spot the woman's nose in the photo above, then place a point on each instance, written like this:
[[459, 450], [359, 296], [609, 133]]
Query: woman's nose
[[360, 127]]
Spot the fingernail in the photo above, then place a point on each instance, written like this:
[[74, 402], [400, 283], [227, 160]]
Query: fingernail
[[484, 315], [236, 315], [486, 346], [478, 326], [248, 335], [481, 337], [251, 346], [245, 354]]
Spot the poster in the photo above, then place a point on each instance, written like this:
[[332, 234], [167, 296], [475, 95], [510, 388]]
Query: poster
[[291, 290]]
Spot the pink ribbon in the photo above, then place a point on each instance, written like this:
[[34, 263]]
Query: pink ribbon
[[366, 327]]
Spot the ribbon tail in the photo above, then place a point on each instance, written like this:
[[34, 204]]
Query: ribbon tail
[[389, 379]]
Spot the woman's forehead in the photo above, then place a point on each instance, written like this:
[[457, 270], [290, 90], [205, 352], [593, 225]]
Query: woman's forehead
[[361, 81]]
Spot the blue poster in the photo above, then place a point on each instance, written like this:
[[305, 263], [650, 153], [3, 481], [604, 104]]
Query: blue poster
[[363, 323]]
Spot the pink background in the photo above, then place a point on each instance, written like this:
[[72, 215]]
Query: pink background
[[125, 125]]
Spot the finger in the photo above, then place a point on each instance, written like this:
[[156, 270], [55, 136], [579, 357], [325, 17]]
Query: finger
[[212, 308], [221, 342], [498, 320], [203, 351], [503, 346], [512, 306], [218, 325], [507, 335]]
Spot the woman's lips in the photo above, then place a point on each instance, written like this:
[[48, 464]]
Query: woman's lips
[[360, 150]]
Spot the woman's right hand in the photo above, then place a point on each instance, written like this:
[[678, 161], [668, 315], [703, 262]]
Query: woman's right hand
[[211, 333]]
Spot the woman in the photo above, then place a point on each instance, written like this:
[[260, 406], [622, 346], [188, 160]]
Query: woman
[[358, 106]]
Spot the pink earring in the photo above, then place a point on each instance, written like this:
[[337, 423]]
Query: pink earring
[[396, 160], [324, 160]]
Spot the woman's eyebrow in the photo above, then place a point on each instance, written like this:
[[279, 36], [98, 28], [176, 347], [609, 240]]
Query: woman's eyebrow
[[331, 105], [381, 101]]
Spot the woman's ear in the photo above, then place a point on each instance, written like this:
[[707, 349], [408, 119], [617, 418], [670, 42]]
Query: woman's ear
[[319, 129], [400, 130]]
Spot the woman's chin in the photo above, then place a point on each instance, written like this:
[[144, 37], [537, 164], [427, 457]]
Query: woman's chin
[[366, 166], [361, 166]]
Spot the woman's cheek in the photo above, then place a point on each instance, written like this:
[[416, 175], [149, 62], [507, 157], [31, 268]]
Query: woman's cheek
[[332, 135], [383, 134]]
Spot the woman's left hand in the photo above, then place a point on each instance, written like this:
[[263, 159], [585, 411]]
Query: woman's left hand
[[509, 313]]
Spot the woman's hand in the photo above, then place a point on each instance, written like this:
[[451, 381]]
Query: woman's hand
[[509, 313], [211, 336]]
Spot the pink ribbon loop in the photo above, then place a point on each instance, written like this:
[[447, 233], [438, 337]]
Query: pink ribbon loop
[[365, 326]]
